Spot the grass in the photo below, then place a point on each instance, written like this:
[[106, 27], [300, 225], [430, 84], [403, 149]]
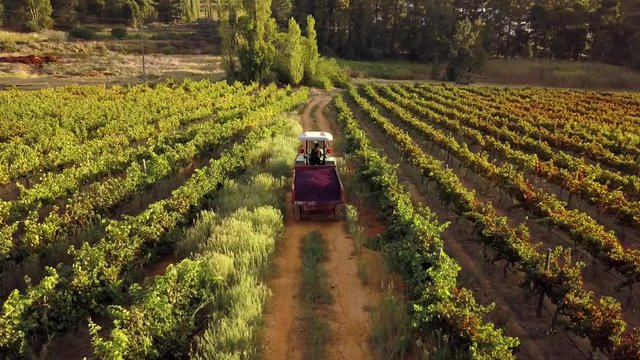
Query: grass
[[390, 334], [363, 271], [388, 69], [354, 229], [316, 294], [241, 235], [315, 288], [32, 37], [555, 73], [519, 72]]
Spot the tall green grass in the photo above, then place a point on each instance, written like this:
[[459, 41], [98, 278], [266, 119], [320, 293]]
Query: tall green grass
[[316, 295], [245, 227], [391, 332]]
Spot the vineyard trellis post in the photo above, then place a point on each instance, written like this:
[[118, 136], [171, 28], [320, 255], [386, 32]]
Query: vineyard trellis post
[[547, 265]]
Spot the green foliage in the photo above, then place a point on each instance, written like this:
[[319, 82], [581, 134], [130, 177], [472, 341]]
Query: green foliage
[[412, 245], [467, 55], [281, 10], [229, 23], [64, 12], [256, 51], [315, 288], [295, 54], [329, 74], [169, 11], [312, 56], [266, 55], [97, 272], [119, 32], [82, 32], [36, 14], [391, 330], [190, 10], [316, 294]]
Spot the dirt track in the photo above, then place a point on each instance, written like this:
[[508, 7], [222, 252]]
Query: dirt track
[[348, 317]]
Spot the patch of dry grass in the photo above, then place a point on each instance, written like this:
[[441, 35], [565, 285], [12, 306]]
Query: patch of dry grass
[[32, 37], [555, 73]]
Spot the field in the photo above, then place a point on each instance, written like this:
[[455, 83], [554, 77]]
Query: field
[[155, 222], [495, 177], [124, 207], [508, 72]]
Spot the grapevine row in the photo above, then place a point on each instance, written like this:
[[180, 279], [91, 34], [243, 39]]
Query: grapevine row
[[96, 274], [601, 323], [55, 185], [48, 147], [582, 229], [613, 203], [482, 120], [591, 149], [414, 234], [88, 205]]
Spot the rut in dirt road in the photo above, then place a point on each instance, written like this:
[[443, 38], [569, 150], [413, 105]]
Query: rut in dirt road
[[349, 326]]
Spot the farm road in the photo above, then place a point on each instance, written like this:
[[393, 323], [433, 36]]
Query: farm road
[[348, 317]]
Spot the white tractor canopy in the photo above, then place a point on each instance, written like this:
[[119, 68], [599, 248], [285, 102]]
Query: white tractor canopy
[[315, 136]]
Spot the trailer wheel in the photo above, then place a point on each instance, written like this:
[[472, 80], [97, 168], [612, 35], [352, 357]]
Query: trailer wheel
[[337, 213], [297, 212]]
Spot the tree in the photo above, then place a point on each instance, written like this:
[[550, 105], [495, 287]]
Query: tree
[[190, 10], [467, 55], [311, 54], [37, 14], [169, 11], [296, 53], [64, 12], [227, 13], [281, 10], [256, 51]]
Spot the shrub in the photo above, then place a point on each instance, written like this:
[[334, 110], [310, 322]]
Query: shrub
[[81, 32], [119, 32], [329, 74], [169, 50]]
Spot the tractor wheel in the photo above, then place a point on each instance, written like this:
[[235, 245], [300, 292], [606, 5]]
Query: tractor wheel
[[337, 213], [297, 212]]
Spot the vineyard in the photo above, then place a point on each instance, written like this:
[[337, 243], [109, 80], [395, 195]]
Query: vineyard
[[142, 222], [526, 199], [102, 187]]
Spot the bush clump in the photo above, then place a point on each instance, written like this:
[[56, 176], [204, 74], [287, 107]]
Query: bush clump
[[119, 32], [82, 32]]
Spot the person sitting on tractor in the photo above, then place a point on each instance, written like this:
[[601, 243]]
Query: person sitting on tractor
[[314, 156]]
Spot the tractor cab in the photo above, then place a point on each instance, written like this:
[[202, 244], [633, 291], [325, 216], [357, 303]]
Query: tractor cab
[[315, 149]]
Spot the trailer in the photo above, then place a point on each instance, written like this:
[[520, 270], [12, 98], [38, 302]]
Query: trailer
[[317, 188]]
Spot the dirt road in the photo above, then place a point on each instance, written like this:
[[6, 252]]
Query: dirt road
[[348, 317]]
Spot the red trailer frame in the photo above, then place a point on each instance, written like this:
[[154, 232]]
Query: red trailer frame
[[308, 204]]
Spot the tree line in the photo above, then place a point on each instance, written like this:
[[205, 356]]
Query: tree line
[[460, 33], [35, 15], [256, 48], [432, 30]]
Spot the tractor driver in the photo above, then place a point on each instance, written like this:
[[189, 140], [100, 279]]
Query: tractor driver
[[314, 156]]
